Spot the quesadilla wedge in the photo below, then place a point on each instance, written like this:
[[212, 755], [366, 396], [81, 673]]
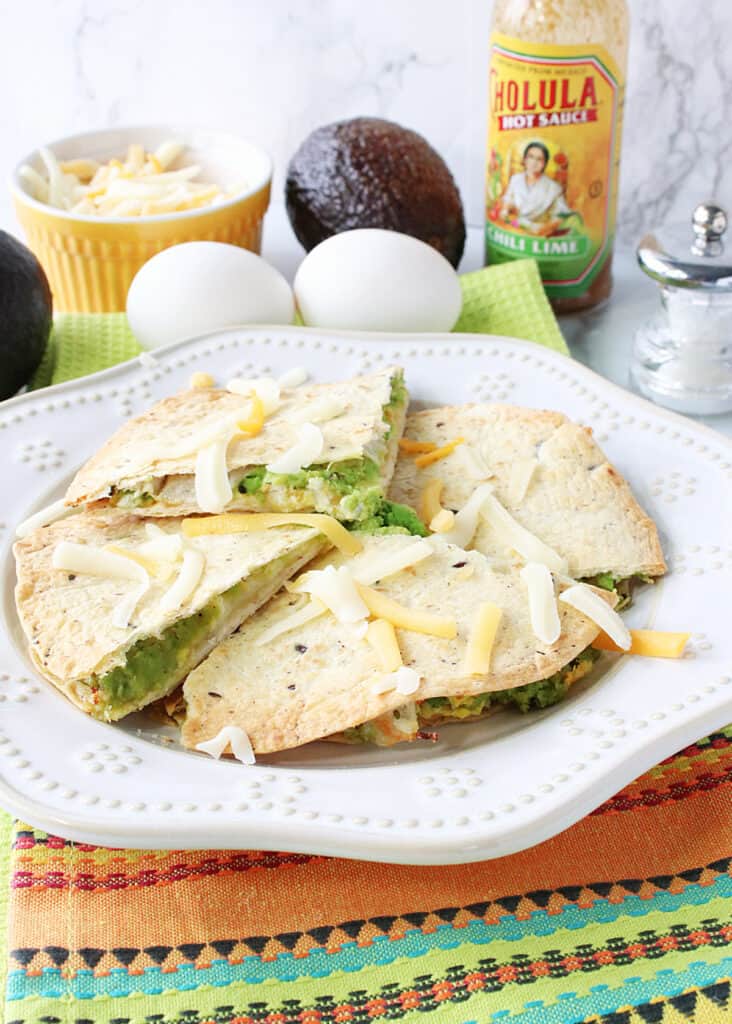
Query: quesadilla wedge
[[548, 474], [295, 672], [326, 448], [117, 611]]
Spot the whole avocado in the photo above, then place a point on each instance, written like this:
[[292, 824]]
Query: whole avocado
[[372, 173], [26, 314]]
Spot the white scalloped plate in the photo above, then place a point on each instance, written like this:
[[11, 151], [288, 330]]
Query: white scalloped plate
[[485, 789]]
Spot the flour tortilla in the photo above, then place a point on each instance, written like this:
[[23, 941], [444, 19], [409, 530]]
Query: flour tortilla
[[576, 502], [161, 445], [67, 617], [284, 696]]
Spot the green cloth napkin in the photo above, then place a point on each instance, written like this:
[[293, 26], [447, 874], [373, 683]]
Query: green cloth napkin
[[504, 299]]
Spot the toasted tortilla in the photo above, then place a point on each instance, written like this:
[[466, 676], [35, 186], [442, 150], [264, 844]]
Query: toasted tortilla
[[67, 617], [316, 680], [155, 453], [575, 501]]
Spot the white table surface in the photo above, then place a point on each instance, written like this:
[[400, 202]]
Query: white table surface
[[601, 338]]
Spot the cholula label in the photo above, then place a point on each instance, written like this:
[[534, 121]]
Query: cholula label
[[554, 123]]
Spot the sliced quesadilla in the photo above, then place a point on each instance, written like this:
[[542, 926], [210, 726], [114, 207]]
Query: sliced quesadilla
[[254, 447], [542, 473], [373, 648], [116, 611]]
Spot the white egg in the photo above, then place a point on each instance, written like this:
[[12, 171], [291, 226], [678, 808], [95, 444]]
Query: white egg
[[374, 280], [198, 287]]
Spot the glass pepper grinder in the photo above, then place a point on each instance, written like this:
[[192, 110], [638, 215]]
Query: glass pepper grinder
[[682, 357]]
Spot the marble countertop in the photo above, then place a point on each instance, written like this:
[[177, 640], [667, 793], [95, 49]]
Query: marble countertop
[[601, 339]]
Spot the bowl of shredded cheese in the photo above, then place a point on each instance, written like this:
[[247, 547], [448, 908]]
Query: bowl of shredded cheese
[[96, 206]]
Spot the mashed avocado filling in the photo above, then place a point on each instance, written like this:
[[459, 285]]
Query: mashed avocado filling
[[155, 664], [622, 585], [435, 710], [350, 490]]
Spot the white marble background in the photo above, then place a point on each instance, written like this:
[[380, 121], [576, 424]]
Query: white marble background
[[273, 71]]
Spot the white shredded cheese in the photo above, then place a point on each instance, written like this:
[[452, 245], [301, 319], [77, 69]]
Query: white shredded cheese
[[369, 568], [518, 537], [542, 602], [267, 390], [43, 517], [304, 452], [443, 521], [586, 601], [148, 360], [86, 560], [475, 465], [466, 521], [404, 680], [522, 472], [318, 411], [336, 588], [186, 581], [313, 610], [82, 559], [125, 608], [229, 736], [213, 489], [293, 378]]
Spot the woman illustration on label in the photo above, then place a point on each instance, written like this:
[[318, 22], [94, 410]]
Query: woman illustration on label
[[532, 200]]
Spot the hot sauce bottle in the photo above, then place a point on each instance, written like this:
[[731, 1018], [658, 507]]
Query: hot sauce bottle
[[556, 87]]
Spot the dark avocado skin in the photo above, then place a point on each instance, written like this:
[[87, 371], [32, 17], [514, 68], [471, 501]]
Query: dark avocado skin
[[371, 173], [26, 314]]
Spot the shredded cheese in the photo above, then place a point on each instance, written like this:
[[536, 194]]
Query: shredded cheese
[[148, 564], [404, 680], [542, 602], [518, 537], [312, 610], [304, 452], [254, 422], [443, 521], [252, 522], [82, 559], [201, 380], [380, 634], [406, 444], [86, 560], [482, 638], [371, 568], [466, 521], [383, 607], [647, 643], [293, 378], [439, 453], [322, 409], [213, 489], [57, 510], [232, 736], [589, 603], [266, 388], [429, 499], [475, 465], [186, 582], [337, 590], [521, 475]]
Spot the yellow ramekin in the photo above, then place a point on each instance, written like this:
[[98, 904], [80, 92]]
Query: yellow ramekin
[[90, 261]]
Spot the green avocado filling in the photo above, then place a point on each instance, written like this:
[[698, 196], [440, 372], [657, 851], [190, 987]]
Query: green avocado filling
[[391, 517], [131, 499], [156, 663], [622, 585], [356, 482], [530, 697]]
